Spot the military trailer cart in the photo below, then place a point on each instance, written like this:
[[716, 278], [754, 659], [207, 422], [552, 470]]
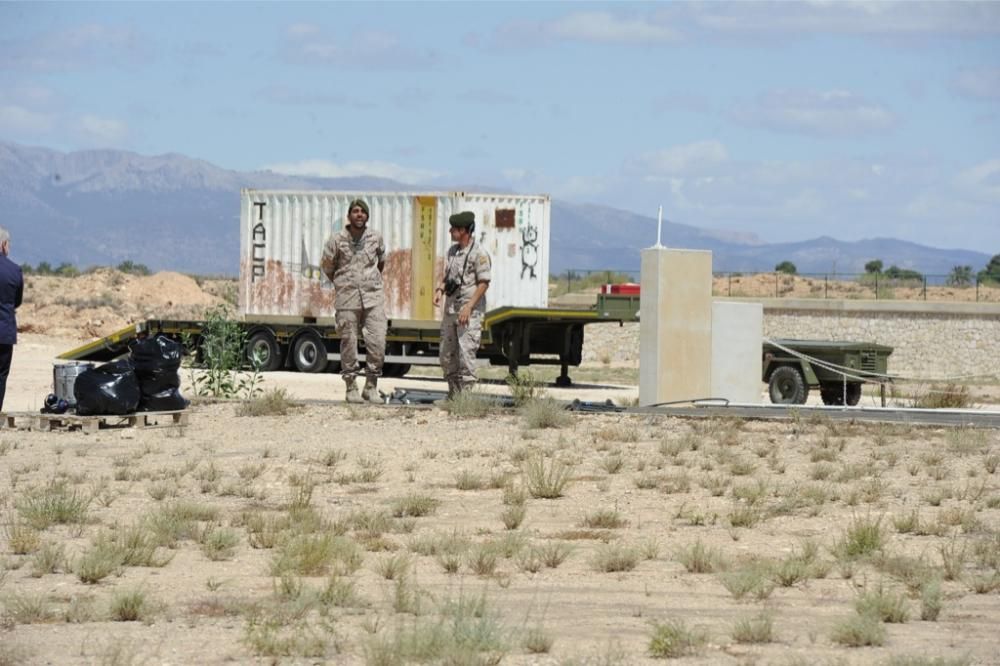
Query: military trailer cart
[[838, 369]]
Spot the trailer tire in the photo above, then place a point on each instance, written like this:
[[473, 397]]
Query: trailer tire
[[396, 369], [787, 386], [309, 353], [271, 354], [833, 393]]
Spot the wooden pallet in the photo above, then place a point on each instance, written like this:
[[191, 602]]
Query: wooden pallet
[[45, 422]]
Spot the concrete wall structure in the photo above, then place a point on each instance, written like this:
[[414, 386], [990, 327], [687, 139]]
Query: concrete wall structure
[[737, 332], [931, 340], [675, 326]]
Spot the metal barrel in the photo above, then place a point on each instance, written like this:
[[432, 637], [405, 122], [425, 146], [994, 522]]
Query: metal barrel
[[64, 377]]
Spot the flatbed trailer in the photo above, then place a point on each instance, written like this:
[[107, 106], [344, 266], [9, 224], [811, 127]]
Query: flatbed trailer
[[512, 336]]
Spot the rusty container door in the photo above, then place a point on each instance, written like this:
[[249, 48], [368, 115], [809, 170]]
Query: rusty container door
[[425, 234]]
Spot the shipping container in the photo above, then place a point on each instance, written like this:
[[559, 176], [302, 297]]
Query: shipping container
[[282, 235]]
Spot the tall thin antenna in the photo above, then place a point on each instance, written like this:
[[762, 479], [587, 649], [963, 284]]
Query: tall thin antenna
[[659, 227]]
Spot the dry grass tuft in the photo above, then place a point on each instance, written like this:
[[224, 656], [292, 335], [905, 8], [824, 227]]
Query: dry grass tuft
[[275, 402], [546, 480], [539, 413], [944, 396]]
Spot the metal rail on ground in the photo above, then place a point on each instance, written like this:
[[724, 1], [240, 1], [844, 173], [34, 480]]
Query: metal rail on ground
[[906, 415]]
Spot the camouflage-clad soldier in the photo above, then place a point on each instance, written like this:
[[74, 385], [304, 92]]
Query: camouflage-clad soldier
[[466, 279], [353, 259]]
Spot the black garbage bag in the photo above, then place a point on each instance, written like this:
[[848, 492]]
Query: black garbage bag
[[164, 401], [156, 360], [156, 353], [152, 382], [111, 388]]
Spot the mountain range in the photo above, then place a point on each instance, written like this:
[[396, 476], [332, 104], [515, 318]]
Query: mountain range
[[173, 212]]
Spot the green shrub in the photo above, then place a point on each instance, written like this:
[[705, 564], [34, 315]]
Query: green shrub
[[523, 387], [674, 639]]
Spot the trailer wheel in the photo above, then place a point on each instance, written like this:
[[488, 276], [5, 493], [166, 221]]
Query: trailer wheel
[[395, 369], [268, 351], [853, 393], [309, 353], [787, 386], [833, 393]]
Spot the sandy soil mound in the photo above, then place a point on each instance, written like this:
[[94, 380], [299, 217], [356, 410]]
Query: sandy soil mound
[[99, 303]]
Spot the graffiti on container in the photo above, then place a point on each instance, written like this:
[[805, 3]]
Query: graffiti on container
[[309, 270], [529, 250], [259, 240]]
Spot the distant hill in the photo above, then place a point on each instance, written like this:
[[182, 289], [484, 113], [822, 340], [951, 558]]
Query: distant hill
[[101, 207]]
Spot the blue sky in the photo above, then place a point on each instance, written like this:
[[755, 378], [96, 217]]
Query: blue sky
[[786, 120]]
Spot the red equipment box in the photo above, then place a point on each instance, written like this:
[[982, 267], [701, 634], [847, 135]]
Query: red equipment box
[[625, 289]]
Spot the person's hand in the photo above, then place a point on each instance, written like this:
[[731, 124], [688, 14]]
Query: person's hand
[[437, 297], [464, 314]]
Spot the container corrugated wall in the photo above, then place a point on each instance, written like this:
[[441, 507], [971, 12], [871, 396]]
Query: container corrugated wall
[[283, 233]]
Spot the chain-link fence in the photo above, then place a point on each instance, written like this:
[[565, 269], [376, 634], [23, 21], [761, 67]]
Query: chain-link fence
[[875, 286]]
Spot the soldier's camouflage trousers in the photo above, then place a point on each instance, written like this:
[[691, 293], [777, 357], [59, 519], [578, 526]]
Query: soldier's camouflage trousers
[[459, 345], [372, 323]]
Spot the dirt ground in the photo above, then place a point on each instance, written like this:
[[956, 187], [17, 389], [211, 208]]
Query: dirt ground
[[385, 535]]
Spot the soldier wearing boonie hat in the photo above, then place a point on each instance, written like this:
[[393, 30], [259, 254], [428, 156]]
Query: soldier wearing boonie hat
[[466, 279], [353, 259]]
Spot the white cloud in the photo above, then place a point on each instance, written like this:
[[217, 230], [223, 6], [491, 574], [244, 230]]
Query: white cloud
[[981, 83], [488, 97], [819, 113], [516, 175], [30, 112], [16, 120], [77, 47], [371, 49], [31, 96], [327, 169], [693, 159], [286, 95], [606, 27], [697, 21], [101, 131], [877, 18], [981, 181], [683, 101], [302, 29]]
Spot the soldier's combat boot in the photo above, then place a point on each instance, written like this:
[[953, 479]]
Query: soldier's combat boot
[[352, 394], [370, 392]]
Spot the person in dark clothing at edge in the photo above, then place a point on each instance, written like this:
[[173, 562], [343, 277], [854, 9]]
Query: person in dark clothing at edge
[[11, 291]]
